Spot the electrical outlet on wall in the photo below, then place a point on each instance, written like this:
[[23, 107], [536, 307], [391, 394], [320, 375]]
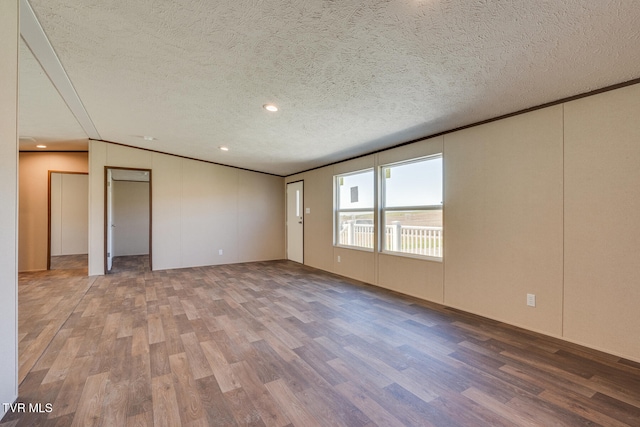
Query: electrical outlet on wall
[[531, 300], [220, 251], [338, 258]]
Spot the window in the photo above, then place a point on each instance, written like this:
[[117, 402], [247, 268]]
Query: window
[[412, 207], [354, 209]]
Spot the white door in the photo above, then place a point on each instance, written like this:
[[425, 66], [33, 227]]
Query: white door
[[109, 220], [295, 226]]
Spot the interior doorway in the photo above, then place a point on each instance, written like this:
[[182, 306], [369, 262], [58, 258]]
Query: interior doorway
[[128, 220], [68, 221], [295, 221]]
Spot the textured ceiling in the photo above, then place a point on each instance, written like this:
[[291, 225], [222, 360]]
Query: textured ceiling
[[349, 77]]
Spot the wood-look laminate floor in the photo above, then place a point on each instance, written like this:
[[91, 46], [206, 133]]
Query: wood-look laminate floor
[[69, 262], [132, 264], [46, 299], [279, 344]]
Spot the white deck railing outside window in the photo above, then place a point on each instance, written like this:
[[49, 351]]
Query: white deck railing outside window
[[412, 239]]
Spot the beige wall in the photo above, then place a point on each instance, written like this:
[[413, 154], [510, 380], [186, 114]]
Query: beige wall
[[503, 219], [544, 203], [602, 221], [131, 218], [318, 194], [9, 205], [69, 214], [34, 181], [198, 209]]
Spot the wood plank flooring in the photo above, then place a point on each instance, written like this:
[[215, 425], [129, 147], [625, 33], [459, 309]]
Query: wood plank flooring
[[279, 344], [46, 299], [130, 264], [69, 262]]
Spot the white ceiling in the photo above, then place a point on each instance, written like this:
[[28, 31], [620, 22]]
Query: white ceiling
[[349, 77], [44, 117]]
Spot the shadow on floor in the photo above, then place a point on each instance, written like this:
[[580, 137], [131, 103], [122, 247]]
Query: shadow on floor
[[130, 264]]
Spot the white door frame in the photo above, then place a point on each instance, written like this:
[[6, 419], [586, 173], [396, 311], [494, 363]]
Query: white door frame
[[295, 221]]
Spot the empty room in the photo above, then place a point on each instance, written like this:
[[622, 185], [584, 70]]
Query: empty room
[[394, 212]]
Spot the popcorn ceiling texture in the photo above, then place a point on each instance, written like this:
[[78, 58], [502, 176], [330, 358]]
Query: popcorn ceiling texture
[[349, 77]]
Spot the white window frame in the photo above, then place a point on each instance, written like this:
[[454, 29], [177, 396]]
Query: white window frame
[[437, 255], [337, 211]]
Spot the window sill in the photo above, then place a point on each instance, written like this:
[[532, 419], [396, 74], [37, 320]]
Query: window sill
[[357, 248], [414, 256]]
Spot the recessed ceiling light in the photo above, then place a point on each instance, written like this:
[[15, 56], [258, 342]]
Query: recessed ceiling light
[[41, 146], [270, 107], [224, 148], [148, 138]]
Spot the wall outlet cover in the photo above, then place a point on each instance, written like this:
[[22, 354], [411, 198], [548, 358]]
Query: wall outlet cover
[[531, 300]]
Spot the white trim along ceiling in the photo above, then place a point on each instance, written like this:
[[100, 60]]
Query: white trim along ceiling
[[348, 78]]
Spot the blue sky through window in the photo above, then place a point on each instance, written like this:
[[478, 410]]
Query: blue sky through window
[[364, 182], [414, 184], [410, 184]]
